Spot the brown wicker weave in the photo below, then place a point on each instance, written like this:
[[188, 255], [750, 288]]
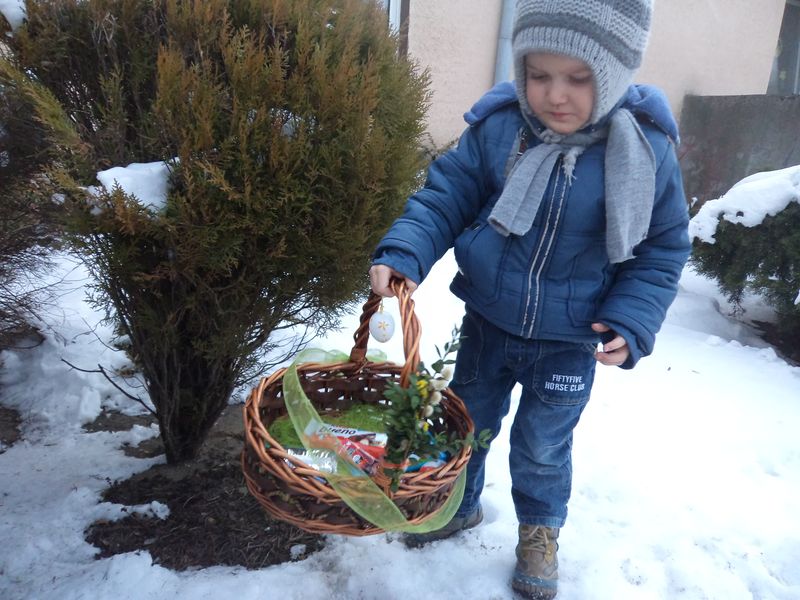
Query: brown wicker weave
[[299, 494]]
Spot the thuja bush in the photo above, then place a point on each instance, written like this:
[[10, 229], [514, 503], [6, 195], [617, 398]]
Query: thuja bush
[[27, 234], [28, 227], [290, 129], [764, 259]]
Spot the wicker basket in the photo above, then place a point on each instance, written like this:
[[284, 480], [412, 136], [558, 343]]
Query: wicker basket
[[292, 491]]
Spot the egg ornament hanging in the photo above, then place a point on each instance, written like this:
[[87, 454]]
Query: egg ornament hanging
[[381, 325]]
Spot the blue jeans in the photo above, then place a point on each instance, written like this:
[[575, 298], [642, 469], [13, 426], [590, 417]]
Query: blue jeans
[[556, 379]]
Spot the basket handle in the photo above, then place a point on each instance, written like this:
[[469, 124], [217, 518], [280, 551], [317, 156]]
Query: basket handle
[[410, 324]]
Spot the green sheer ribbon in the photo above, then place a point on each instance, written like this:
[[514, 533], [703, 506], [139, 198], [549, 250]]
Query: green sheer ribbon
[[352, 484]]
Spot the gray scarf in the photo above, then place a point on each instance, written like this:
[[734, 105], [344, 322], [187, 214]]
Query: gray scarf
[[630, 169]]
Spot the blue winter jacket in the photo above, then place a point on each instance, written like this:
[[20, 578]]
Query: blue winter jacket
[[556, 280]]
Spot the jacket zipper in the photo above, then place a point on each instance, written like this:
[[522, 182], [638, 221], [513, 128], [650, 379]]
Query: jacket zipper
[[543, 249]]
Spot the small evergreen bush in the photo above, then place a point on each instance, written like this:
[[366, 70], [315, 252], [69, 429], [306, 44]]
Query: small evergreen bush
[[27, 220], [764, 259], [27, 232], [290, 128]]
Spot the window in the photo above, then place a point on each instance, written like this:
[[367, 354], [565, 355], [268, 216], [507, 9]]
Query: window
[[785, 78], [398, 10]]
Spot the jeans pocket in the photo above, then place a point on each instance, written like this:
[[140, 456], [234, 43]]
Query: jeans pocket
[[564, 373], [469, 353]]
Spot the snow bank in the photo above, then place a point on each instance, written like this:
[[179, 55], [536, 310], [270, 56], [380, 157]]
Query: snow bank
[[748, 202], [13, 11], [147, 182]]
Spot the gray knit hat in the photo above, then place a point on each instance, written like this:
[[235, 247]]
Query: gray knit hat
[[608, 35]]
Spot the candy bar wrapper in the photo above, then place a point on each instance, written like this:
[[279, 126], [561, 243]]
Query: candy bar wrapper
[[368, 441], [325, 460], [417, 465], [362, 449], [321, 460], [355, 454]]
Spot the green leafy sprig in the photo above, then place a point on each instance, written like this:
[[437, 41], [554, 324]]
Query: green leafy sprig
[[414, 417]]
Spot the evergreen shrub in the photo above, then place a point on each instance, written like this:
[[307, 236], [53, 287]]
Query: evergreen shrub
[[764, 259], [27, 222], [291, 130]]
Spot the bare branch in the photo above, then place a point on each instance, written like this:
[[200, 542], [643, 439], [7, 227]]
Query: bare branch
[[105, 374]]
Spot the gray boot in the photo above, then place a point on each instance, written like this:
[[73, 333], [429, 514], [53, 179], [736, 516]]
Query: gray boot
[[536, 574], [456, 524]]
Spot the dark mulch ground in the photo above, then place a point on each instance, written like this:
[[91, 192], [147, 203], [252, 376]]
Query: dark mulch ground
[[9, 427], [213, 519]]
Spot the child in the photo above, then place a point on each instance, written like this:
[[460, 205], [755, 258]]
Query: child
[[565, 205]]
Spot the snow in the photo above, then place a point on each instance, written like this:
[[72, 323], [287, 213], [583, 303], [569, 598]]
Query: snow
[[686, 477], [147, 182], [13, 11], [748, 202], [686, 469]]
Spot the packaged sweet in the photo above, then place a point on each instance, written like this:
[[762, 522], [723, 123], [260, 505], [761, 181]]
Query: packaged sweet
[[415, 464], [360, 448], [321, 460], [369, 441]]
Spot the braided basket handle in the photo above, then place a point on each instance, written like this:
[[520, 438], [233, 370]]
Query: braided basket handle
[[410, 323]]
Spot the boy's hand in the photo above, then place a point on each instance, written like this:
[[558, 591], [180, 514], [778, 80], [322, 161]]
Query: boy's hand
[[615, 352], [379, 277]]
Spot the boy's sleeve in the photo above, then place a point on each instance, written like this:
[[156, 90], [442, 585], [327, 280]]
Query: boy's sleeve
[[645, 286], [455, 189]]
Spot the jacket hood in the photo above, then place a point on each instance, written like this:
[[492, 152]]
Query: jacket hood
[[648, 103]]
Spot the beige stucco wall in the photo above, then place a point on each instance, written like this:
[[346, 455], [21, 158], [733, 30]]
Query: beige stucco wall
[[705, 47], [457, 41], [712, 47]]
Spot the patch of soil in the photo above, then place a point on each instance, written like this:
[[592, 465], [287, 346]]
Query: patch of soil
[[213, 519], [17, 337], [116, 421], [9, 427]]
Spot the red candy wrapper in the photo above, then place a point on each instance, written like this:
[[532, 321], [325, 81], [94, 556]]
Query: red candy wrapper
[[362, 449]]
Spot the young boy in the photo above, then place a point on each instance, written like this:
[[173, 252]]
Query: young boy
[[565, 205]]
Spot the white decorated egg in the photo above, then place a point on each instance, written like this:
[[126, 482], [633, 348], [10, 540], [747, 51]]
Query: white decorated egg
[[381, 326]]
